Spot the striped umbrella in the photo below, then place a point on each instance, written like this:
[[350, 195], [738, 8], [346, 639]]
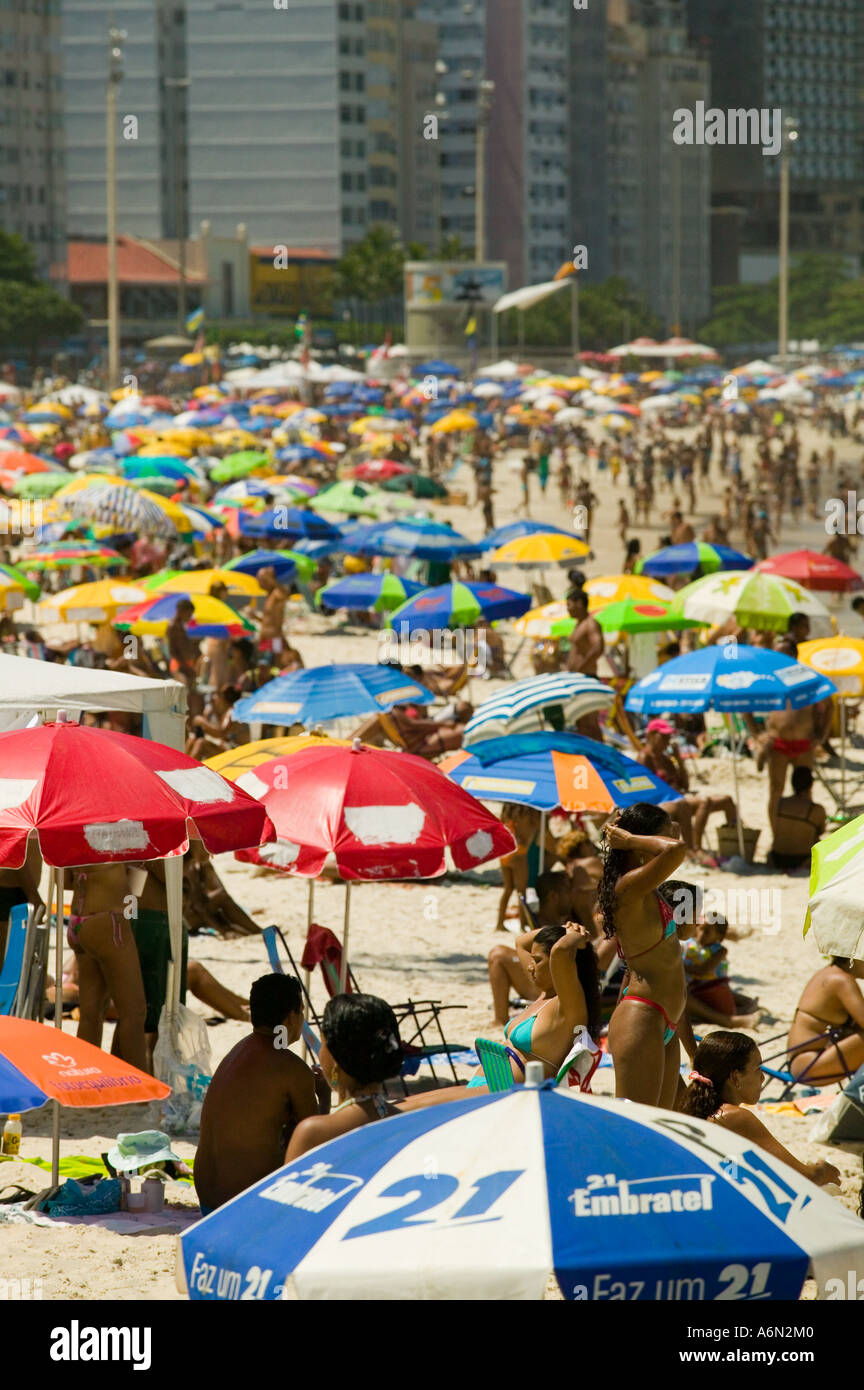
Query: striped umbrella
[[321, 694], [458, 605], [691, 556], [632, 615], [212, 617], [373, 593], [67, 556], [11, 577], [122, 507], [834, 910], [541, 702], [753, 599]]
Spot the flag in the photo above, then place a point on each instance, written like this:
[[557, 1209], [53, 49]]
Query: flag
[[565, 271], [194, 320], [471, 327]]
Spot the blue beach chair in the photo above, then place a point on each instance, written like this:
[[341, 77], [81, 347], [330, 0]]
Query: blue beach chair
[[10, 975]]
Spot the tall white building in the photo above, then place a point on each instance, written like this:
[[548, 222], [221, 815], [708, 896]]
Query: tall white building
[[32, 192]]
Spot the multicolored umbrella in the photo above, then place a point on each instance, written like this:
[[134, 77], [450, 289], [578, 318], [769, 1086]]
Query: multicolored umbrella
[[321, 694], [616, 588], [631, 615], [122, 507], [212, 617], [514, 530], [550, 770], [13, 578], [458, 605], [834, 910], [379, 813], [98, 602], [286, 563], [39, 1063], [814, 571], [692, 556], [538, 704], [615, 1200], [540, 549], [67, 556], [753, 599], [373, 593], [236, 582]]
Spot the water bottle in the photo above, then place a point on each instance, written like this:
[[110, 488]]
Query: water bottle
[[12, 1136]]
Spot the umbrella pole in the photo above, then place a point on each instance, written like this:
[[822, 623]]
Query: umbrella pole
[[55, 880], [737, 793], [343, 973], [542, 841], [307, 974], [842, 754]]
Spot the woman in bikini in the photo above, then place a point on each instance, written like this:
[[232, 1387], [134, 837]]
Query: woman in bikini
[[108, 965], [832, 1003], [642, 851]]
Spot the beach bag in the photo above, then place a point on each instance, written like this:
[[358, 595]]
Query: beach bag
[[181, 1058]]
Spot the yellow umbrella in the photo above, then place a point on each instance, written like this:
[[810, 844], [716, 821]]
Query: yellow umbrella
[[840, 658], [612, 588], [83, 480], [539, 621], [183, 434], [158, 448], [248, 756], [235, 439], [374, 424], [540, 549], [92, 603], [192, 359], [202, 581], [577, 383], [454, 422]]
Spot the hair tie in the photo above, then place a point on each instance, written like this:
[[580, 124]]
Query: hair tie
[[697, 1076]]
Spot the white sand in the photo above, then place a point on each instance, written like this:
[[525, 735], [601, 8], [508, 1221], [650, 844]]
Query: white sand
[[424, 940]]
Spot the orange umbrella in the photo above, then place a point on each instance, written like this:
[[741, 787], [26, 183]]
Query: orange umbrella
[[73, 1072], [19, 461]]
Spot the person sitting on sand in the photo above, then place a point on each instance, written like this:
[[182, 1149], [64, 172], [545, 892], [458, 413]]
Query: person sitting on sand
[[260, 1093], [709, 995], [725, 1079], [642, 851], [360, 1050], [831, 1003], [662, 758], [798, 823]]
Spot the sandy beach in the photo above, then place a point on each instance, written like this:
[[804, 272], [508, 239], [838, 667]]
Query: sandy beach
[[430, 939]]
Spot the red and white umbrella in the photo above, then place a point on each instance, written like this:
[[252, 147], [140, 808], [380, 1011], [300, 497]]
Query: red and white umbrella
[[377, 813], [93, 796]]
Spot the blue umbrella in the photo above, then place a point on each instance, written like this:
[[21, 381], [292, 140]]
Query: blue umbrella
[[690, 556], [255, 560], [297, 453], [514, 529], [538, 770], [729, 676], [422, 539], [358, 592], [436, 367], [458, 605], [288, 522], [535, 704], [321, 694], [485, 1198]]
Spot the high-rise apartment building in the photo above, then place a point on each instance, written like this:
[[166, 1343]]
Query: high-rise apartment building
[[32, 179], [287, 119], [804, 58]]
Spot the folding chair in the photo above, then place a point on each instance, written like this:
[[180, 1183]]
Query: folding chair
[[11, 974], [784, 1075], [578, 1066]]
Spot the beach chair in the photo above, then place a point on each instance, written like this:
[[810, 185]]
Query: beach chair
[[11, 975], [784, 1075], [578, 1066], [496, 1059], [415, 1017]]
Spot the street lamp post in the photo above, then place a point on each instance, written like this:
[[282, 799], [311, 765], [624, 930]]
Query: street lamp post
[[178, 84], [115, 75], [790, 135], [485, 95]]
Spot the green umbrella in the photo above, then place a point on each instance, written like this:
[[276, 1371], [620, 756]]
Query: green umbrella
[[631, 615], [352, 499], [166, 487], [39, 485], [834, 910], [418, 484], [238, 465], [30, 589]]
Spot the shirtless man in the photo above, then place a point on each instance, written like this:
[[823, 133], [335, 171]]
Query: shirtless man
[[270, 636], [681, 530], [690, 812], [790, 737], [586, 648], [798, 631], [182, 649], [257, 1097]]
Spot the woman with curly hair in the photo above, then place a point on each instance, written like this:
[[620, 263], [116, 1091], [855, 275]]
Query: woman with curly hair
[[725, 1078], [642, 851]]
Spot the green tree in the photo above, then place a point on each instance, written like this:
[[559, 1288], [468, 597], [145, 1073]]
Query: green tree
[[821, 302], [16, 259], [453, 248], [31, 313], [608, 313]]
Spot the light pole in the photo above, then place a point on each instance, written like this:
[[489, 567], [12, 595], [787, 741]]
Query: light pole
[[485, 96], [179, 84], [115, 75], [790, 135]]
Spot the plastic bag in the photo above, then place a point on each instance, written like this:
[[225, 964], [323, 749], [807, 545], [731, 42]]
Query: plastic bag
[[182, 1060]]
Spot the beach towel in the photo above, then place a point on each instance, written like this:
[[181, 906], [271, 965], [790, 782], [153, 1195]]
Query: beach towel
[[324, 949]]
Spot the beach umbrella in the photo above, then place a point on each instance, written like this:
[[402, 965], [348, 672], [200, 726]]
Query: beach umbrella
[[239, 465], [454, 422], [554, 769], [93, 603], [211, 618], [418, 484], [20, 461], [235, 761], [378, 470], [203, 581], [813, 571], [373, 593], [458, 605], [353, 499], [537, 704], [416, 536], [321, 694], [58, 557], [540, 549], [123, 507], [617, 588], [289, 523], [692, 555], [514, 530], [11, 577], [539, 622], [616, 1200], [841, 659], [834, 908], [286, 563], [752, 599], [631, 615], [729, 677], [36, 485], [245, 490]]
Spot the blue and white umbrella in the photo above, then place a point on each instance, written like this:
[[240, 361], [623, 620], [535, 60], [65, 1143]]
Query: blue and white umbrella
[[424, 540], [486, 1198], [320, 694], [729, 676], [536, 704]]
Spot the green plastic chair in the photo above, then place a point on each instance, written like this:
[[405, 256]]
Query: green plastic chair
[[495, 1059]]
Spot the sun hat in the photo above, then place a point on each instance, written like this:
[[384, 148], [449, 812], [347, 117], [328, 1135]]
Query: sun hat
[[659, 726], [142, 1150]]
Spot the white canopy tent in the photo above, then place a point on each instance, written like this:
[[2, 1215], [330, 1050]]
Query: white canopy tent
[[528, 295]]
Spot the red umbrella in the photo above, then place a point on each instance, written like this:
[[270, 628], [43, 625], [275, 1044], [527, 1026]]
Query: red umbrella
[[813, 571], [381, 814], [19, 461], [96, 797], [377, 470]]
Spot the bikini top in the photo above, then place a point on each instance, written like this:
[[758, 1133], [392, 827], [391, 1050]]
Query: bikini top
[[667, 917]]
